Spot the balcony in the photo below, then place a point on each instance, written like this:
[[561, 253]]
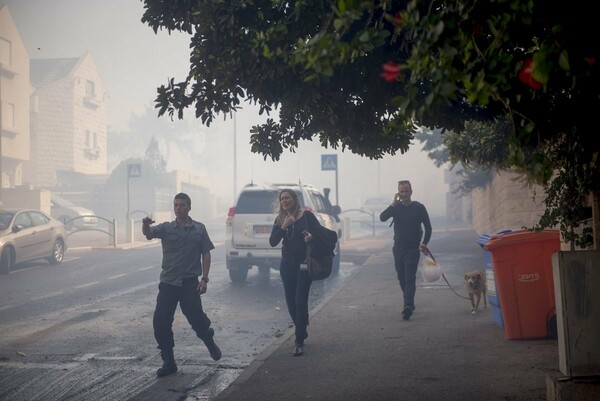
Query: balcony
[[9, 132], [92, 153], [8, 71], [92, 101]]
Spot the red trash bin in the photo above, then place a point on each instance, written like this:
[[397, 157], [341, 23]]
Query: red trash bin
[[523, 270]]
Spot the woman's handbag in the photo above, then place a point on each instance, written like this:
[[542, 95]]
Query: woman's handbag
[[319, 268], [319, 252]]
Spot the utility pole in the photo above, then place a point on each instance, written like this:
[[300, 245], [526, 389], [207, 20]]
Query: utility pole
[[234, 157], [1, 150]]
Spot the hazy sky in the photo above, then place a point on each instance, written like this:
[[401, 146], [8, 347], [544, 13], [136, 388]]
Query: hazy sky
[[133, 61]]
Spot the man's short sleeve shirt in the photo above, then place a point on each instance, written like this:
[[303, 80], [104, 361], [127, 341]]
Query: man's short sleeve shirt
[[182, 250]]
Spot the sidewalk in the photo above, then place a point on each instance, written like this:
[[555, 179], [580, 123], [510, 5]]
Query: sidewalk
[[360, 348]]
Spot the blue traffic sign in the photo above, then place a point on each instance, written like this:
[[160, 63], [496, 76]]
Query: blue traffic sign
[[134, 170], [328, 162]]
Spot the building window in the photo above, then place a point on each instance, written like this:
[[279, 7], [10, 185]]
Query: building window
[[90, 89], [8, 115], [87, 138], [5, 52], [95, 140]]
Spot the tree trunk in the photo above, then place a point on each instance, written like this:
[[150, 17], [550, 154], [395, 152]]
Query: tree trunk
[[595, 198]]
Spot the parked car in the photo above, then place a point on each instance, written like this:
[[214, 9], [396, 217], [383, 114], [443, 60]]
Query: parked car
[[250, 221], [70, 214], [29, 234], [372, 208]]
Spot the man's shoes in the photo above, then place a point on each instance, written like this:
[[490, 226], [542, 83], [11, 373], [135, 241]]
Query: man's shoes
[[298, 350], [169, 366], [213, 349], [407, 312]]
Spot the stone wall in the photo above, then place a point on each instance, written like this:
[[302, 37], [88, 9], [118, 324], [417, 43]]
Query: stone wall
[[506, 203]]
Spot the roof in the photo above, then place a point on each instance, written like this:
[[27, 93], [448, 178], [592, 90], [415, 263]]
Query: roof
[[46, 71]]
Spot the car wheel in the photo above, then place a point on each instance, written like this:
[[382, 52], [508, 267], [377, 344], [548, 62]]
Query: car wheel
[[58, 252], [238, 272], [264, 271], [7, 260], [238, 275]]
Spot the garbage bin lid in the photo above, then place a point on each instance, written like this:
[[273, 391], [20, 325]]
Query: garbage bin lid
[[485, 238], [515, 237]]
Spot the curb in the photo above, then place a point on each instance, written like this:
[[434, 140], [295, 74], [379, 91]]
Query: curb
[[257, 362]]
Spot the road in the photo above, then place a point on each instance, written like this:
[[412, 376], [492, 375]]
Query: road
[[82, 330]]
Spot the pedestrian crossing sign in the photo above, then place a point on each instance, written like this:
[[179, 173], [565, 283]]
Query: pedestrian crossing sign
[[328, 162], [134, 170]]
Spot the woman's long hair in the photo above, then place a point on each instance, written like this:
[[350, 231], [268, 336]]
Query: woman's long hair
[[279, 210]]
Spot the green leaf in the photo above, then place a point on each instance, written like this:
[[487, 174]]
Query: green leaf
[[563, 60]]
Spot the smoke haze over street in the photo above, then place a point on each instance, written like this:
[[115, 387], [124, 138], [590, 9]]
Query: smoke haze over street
[[133, 61]]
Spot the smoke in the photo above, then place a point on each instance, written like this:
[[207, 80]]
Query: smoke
[[133, 61]]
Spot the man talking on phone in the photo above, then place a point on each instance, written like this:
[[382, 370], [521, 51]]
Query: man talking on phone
[[409, 218]]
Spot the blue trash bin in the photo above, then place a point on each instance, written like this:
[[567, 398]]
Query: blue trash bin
[[490, 280]]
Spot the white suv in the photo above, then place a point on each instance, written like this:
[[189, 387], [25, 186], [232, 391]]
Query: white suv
[[250, 221]]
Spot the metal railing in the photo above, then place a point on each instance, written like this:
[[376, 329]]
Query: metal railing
[[365, 211], [111, 230]]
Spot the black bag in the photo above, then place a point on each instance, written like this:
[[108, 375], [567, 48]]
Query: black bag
[[319, 268], [319, 252]]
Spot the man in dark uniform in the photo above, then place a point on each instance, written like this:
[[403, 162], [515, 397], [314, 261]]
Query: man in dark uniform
[[409, 219], [186, 255]]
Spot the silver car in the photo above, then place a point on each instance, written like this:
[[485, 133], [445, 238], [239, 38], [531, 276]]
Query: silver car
[[250, 221], [71, 215], [30, 234]]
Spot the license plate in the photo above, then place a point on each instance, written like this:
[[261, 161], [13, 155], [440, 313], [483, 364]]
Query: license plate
[[262, 229]]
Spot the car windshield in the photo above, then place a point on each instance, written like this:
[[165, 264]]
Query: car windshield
[[5, 219], [256, 202]]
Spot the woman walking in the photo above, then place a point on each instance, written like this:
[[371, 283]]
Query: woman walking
[[293, 225]]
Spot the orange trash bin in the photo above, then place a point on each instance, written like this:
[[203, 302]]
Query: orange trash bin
[[523, 271]]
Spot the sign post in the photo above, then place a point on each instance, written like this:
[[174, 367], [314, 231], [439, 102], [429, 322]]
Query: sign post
[[328, 163], [134, 170]]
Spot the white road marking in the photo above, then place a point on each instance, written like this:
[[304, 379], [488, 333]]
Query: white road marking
[[141, 269], [88, 284], [47, 295], [114, 358], [85, 357], [117, 276]]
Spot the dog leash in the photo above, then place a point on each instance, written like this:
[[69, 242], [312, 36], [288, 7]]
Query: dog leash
[[445, 279]]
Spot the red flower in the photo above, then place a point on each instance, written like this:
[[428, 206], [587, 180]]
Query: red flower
[[526, 74], [391, 71], [591, 61], [397, 19]]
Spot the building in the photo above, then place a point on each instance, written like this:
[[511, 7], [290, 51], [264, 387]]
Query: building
[[68, 121], [14, 103]]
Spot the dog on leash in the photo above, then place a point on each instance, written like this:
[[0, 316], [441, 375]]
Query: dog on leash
[[476, 288]]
